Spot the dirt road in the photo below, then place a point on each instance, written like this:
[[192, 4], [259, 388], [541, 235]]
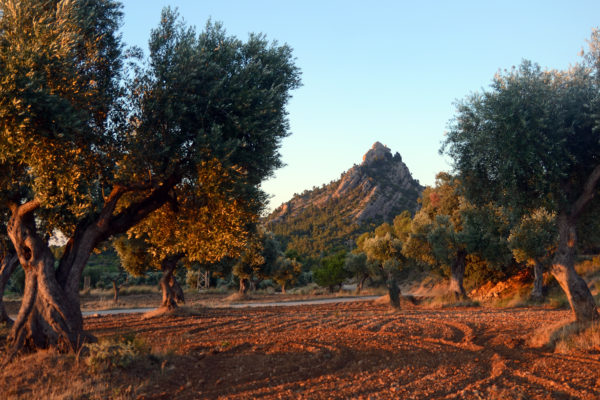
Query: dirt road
[[361, 350]]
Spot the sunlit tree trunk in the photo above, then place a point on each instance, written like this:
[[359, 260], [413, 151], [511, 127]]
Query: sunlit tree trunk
[[169, 290], [47, 318], [457, 274], [563, 269], [244, 285], [7, 267], [361, 283]]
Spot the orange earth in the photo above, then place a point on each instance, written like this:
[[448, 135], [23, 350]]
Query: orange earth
[[350, 350]]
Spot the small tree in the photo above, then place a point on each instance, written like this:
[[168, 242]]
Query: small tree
[[248, 264], [383, 247], [358, 266], [259, 261], [533, 241], [331, 271], [435, 237], [286, 272]]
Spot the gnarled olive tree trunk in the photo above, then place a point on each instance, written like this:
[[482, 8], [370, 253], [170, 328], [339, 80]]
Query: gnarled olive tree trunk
[[457, 275], [47, 317], [50, 313], [171, 291], [563, 269], [8, 264]]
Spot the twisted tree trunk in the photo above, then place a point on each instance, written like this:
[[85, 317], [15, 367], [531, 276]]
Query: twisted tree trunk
[[7, 267], [50, 313], [563, 269], [457, 275], [47, 318], [171, 290]]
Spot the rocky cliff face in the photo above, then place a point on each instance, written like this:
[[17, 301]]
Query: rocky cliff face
[[367, 194]]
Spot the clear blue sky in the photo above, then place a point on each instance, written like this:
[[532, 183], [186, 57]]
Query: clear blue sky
[[385, 71]]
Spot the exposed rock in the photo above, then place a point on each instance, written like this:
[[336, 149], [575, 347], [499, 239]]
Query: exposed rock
[[377, 152]]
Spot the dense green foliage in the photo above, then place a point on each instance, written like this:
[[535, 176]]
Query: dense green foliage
[[529, 141], [534, 238], [331, 273]]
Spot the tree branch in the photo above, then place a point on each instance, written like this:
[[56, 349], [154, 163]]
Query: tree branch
[[137, 211], [589, 191], [89, 235], [21, 210]]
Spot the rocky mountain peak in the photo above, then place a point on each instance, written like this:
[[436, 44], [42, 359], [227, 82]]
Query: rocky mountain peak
[[377, 152]]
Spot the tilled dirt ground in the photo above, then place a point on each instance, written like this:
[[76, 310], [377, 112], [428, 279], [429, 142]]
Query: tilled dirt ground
[[351, 350]]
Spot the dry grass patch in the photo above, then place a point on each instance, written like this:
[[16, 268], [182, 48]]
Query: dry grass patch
[[580, 338], [117, 367], [568, 336], [237, 296]]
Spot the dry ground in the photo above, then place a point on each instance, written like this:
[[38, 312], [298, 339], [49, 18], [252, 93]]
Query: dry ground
[[351, 350]]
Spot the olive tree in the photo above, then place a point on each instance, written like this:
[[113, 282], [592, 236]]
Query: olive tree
[[383, 247], [208, 223], [435, 232], [358, 265], [531, 141], [448, 231], [533, 241], [96, 149]]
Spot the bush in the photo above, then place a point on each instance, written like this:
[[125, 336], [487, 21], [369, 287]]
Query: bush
[[116, 352], [331, 273]]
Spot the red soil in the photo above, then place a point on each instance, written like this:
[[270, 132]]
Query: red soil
[[352, 350]]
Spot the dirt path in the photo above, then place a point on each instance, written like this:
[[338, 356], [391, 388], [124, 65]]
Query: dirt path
[[347, 350]]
